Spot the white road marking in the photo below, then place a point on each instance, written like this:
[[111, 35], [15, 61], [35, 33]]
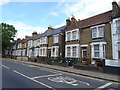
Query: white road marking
[[5, 67], [67, 80], [46, 76], [33, 79], [105, 85]]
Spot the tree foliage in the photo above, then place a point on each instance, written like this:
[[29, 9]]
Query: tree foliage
[[8, 34]]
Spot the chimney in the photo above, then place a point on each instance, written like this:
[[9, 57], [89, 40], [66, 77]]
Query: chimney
[[26, 37], [50, 27], [73, 18], [68, 22], [115, 7], [34, 34], [18, 39]]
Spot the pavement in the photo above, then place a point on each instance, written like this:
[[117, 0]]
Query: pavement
[[92, 74]]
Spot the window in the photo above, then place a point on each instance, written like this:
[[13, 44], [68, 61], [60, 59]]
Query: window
[[43, 52], [94, 32], [96, 50], [57, 52], [84, 52], [74, 33], [118, 26], [98, 31], [68, 36], [55, 38], [68, 51], [103, 51], [74, 49], [53, 51], [118, 50]]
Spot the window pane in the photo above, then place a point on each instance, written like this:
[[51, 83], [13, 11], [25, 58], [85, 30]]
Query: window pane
[[118, 45], [96, 47], [119, 54], [74, 51], [68, 51], [96, 54], [84, 53], [56, 51], [94, 32], [100, 30], [74, 35], [68, 36]]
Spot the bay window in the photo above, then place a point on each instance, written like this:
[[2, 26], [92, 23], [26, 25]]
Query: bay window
[[98, 49]]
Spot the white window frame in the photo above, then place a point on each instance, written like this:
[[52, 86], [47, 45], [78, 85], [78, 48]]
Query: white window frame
[[97, 31], [71, 50], [71, 35], [100, 49], [44, 51], [55, 54], [83, 51], [55, 38]]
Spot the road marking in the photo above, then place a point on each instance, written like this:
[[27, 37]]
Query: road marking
[[34, 80], [5, 67], [46, 76], [105, 85], [68, 80]]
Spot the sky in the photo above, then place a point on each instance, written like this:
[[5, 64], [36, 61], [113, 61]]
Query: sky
[[28, 16]]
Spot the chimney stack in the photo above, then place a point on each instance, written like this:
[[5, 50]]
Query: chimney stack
[[50, 27], [68, 22], [115, 7], [34, 34], [73, 18]]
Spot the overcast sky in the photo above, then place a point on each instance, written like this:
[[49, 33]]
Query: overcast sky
[[35, 15]]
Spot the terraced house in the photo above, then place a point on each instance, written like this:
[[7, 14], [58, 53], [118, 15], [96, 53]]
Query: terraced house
[[95, 36], [56, 43], [44, 42], [72, 40]]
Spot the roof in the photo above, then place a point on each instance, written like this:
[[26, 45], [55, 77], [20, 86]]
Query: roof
[[54, 31], [35, 37], [94, 20], [58, 30], [74, 24]]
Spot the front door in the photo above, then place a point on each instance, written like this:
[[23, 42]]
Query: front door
[[49, 53]]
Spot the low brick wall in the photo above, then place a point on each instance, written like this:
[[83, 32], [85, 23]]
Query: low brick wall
[[87, 67]]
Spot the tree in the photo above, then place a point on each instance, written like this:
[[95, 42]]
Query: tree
[[8, 33]]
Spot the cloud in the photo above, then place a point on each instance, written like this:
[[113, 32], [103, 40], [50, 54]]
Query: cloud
[[24, 29], [85, 8], [3, 2], [53, 13]]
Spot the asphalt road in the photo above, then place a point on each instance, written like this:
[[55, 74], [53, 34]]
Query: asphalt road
[[17, 75]]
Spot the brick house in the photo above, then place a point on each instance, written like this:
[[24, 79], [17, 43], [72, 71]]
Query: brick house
[[95, 36], [55, 43], [72, 40]]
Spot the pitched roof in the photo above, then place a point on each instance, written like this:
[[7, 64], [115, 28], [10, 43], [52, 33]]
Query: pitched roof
[[54, 31], [35, 37], [58, 30], [94, 20], [74, 24]]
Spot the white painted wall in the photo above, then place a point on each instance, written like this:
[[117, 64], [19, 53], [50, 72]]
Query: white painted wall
[[115, 38]]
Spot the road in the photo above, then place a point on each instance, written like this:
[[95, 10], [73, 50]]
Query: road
[[17, 75]]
